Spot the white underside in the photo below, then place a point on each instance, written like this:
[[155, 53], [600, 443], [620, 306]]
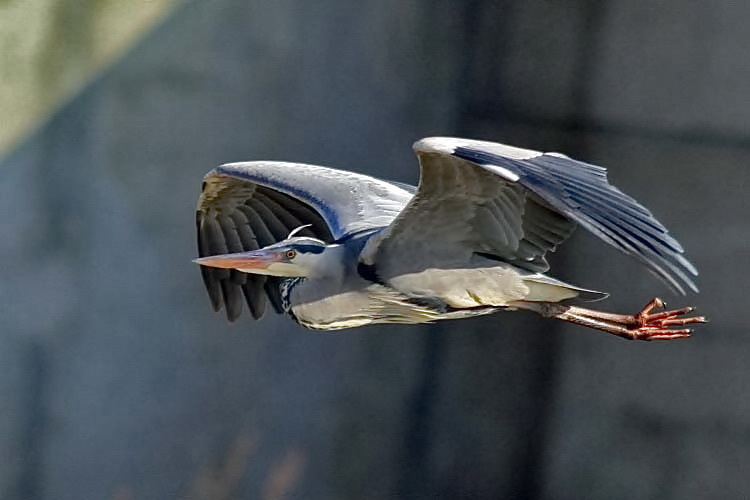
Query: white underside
[[411, 298], [485, 286]]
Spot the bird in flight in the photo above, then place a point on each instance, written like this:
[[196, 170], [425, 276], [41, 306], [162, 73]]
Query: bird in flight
[[337, 249]]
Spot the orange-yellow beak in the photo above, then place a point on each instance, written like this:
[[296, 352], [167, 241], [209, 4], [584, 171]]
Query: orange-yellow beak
[[268, 262], [255, 260]]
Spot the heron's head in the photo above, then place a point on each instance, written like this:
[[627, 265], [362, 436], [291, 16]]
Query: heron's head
[[294, 257]]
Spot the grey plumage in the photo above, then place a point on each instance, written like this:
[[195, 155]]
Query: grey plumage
[[471, 239]]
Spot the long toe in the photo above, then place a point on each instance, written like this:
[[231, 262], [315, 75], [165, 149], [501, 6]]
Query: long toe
[[650, 333]]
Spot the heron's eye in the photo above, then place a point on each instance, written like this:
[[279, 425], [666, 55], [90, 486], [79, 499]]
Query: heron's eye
[[290, 254]]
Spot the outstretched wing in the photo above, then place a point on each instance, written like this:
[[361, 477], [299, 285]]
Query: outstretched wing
[[516, 205], [246, 206]]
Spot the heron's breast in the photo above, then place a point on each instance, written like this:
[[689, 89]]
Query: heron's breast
[[370, 304]]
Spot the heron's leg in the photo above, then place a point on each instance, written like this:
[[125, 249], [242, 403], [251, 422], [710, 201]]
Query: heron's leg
[[645, 325]]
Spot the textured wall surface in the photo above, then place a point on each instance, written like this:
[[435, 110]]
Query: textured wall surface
[[117, 380], [51, 48]]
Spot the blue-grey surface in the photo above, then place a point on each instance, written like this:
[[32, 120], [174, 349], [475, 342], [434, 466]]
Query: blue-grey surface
[[118, 381]]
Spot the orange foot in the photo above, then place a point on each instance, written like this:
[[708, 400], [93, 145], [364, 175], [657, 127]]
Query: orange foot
[[648, 325]]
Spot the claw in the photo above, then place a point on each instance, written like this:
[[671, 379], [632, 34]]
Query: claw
[[655, 326]]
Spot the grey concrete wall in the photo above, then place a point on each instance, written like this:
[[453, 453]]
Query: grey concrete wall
[[117, 380], [661, 98]]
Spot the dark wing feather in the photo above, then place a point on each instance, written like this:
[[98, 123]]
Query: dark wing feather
[[581, 192], [246, 206], [515, 205], [236, 216]]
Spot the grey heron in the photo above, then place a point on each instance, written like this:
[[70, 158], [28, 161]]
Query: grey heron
[[336, 249]]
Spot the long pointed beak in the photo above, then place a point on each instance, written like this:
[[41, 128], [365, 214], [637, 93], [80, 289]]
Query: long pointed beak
[[241, 260]]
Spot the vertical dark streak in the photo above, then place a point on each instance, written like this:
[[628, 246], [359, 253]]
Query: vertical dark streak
[[414, 474], [472, 59], [526, 479], [486, 55], [590, 43], [529, 467], [31, 439]]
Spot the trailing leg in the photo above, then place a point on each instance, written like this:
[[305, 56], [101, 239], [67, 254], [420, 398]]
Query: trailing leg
[[645, 325]]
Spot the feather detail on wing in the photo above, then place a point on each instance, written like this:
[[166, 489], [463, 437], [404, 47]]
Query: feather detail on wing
[[246, 206], [517, 204]]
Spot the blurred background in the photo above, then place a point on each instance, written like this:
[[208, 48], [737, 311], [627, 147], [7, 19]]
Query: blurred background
[[118, 381]]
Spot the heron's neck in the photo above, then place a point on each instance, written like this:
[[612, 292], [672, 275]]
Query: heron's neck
[[329, 264]]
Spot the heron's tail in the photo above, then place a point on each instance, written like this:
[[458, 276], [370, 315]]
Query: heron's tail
[[545, 289]]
